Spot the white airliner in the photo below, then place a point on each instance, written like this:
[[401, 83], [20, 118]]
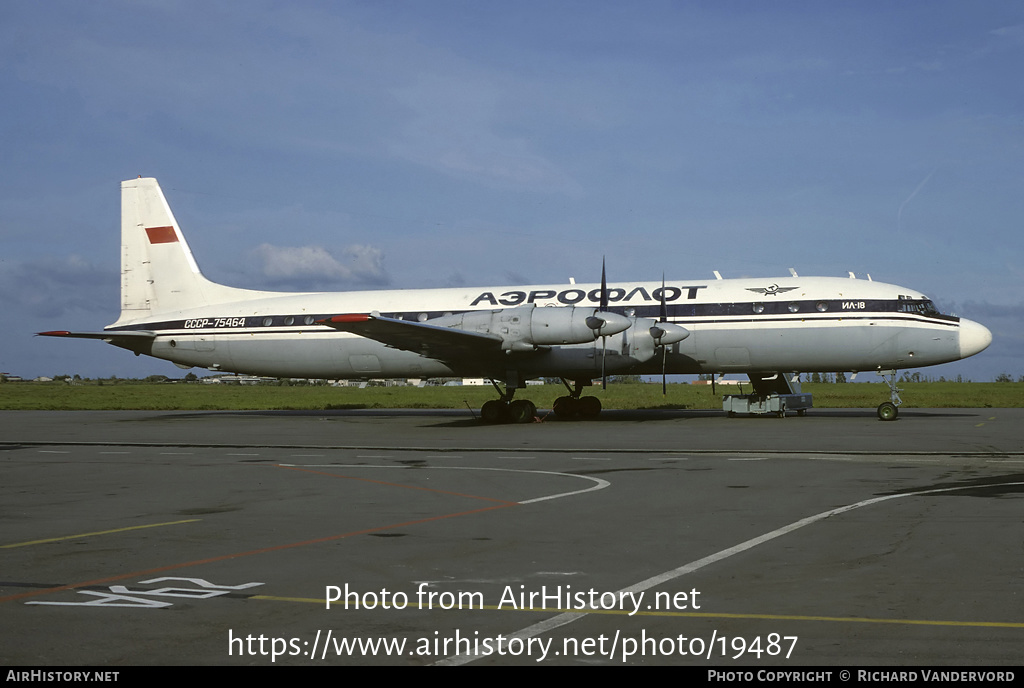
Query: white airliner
[[575, 332]]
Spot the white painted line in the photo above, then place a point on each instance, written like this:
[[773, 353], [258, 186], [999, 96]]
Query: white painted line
[[824, 458], [568, 617], [599, 484]]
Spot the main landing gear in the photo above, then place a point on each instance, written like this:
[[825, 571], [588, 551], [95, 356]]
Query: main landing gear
[[508, 411], [888, 410], [575, 406], [505, 410], [569, 407]]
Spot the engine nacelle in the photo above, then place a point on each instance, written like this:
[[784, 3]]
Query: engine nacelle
[[635, 349], [641, 342], [527, 327]]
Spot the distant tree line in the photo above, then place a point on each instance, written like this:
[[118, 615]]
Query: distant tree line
[[829, 378], [823, 378]]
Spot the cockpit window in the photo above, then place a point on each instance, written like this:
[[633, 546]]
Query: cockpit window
[[923, 306]]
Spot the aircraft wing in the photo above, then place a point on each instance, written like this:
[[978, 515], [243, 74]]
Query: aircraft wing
[[432, 341]]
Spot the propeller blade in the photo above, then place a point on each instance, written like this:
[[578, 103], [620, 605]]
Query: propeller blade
[[664, 359], [604, 288], [604, 339], [663, 313], [604, 354]]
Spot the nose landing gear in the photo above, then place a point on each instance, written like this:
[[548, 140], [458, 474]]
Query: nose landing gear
[[888, 410]]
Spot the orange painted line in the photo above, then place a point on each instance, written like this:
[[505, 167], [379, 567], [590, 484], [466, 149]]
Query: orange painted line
[[262, 550], [407, 487], [147, 572]]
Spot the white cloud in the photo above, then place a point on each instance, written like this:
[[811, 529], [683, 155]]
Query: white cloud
[[314, 266], [57, 287], [1014, 33]]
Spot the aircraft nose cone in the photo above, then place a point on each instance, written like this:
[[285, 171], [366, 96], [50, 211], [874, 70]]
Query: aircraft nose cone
[[974, 338]]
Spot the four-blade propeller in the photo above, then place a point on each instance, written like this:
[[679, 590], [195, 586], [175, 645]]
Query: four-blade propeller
[[663, 333]]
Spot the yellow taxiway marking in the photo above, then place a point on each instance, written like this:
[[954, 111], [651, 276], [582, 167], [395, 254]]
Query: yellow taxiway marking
[[98, 532], [690, 615]]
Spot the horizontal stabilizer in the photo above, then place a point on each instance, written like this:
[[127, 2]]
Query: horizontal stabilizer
[[137, 335], [139, 341]]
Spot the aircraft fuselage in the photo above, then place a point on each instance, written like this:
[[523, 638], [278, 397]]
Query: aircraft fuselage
[[753, 325]]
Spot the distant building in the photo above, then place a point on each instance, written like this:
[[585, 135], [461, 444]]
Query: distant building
[[232, 380]]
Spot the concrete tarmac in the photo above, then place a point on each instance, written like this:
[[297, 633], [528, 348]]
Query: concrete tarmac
[[664, 537]]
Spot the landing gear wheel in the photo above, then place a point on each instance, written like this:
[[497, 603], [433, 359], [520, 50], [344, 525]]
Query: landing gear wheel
[[887, 411], [565, 408], [522, 411], [494, 411], [588, 407]]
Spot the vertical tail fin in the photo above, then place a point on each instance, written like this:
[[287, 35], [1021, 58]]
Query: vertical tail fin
[[158, 272]]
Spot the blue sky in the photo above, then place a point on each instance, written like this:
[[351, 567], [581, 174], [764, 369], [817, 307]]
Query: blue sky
[[360, 145]]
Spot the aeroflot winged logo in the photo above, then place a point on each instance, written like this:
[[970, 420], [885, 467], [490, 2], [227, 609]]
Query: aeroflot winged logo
[[773, 290]]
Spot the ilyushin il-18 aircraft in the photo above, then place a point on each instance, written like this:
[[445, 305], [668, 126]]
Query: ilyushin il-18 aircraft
[[770, 329]]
